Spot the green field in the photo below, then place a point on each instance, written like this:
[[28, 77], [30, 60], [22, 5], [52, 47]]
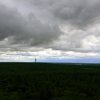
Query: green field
[[40, 81]]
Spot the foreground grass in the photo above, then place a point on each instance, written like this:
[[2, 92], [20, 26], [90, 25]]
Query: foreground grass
[[38, 81]]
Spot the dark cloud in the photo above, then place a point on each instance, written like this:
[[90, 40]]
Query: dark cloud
[[25, 28], [40, 23], [79, 13]]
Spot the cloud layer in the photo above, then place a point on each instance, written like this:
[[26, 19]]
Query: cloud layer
[[60, 25]]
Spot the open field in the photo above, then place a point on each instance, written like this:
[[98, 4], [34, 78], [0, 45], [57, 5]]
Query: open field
[[40, 81]]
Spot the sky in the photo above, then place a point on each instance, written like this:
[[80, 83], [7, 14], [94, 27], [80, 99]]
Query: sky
[[45, 29]]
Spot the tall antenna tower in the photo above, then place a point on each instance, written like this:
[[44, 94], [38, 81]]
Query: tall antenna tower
[[35, 60]]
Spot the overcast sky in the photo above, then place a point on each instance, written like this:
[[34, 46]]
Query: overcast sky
[[49, 28]]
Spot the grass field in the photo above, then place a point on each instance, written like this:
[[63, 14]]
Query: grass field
[[40, 81]]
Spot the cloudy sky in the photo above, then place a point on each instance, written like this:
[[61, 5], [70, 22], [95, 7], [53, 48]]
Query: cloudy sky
[[49, 28]]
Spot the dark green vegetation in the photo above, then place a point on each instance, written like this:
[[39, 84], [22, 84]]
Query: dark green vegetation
[[27, 81]]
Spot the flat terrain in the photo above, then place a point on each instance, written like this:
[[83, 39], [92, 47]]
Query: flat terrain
[[40, 81]]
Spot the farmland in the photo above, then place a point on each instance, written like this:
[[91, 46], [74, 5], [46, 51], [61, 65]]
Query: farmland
[[44, 81]]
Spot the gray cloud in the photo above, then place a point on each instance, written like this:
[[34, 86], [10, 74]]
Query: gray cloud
[[26, 29], [57, 24], [79, 13], [76, 12]]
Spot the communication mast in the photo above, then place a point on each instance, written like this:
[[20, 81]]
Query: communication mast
[[35, 60]]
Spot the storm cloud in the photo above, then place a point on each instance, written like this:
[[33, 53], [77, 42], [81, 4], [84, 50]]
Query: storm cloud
[[25, 28], [65, 25]]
